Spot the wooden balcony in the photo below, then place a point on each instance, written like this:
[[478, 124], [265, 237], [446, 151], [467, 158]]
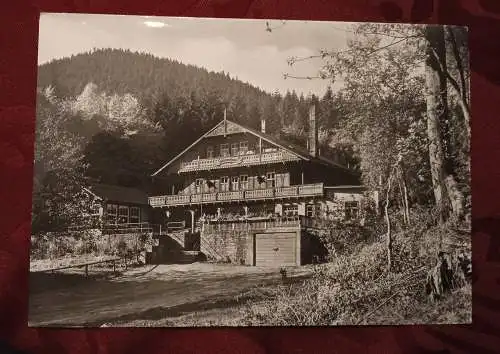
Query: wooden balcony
[[300, 191], [236, 161], [242, 225], [236, 195], [263, 224]]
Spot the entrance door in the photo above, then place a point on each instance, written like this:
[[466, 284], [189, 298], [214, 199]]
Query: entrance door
[[275, 249]]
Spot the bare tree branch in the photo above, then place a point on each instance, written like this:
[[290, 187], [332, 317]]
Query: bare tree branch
[[376, 33], [270, 29], [286, 76]]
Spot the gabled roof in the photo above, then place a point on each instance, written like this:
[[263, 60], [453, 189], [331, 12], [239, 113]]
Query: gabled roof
[[118, 194], [298, 150], [291, 148]]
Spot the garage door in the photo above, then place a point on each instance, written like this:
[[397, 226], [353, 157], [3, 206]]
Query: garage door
[[275, 249]]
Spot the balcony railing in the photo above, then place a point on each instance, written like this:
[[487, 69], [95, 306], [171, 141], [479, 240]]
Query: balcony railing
[[305, 190], [241, 225], [304, 222], [235, 195], [234, 161]]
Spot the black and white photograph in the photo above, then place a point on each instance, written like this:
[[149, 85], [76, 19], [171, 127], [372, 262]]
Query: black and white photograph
[[203, 172]]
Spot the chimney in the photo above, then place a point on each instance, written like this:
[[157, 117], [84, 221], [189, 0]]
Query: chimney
[[225, 122], [313, 132], [263, 125]]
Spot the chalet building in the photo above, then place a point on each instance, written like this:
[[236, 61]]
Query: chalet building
[[253, 199]]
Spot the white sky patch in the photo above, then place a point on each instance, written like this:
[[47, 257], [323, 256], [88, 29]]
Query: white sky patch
[[156, 24], [241, 48]]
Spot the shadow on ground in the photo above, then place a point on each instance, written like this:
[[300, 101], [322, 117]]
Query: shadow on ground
[[146, 293]]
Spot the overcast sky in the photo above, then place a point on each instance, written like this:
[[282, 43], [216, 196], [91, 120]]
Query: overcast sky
[[242, 48]]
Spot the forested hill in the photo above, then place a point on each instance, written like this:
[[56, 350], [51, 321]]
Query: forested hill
[[178, 97], [151, 79], [140, 74]]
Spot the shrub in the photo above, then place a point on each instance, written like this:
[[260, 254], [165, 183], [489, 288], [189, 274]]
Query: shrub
[[122, 248], [344, 238], [356, 288], [86, 242]]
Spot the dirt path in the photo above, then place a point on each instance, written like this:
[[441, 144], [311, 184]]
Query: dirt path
[[147, 293]]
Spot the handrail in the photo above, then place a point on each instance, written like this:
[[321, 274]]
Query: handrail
[[106, 227], [304, 190], [248, 224], [87, 264], [232, 161]]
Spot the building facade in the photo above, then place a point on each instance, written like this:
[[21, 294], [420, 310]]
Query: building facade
[[251, 197], [117, 209]]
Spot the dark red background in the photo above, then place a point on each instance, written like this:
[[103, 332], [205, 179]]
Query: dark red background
[[18, 56]]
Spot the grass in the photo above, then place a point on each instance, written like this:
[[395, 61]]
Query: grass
[[357, 289]]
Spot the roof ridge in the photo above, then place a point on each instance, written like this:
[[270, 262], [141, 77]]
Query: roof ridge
[[294, 149]]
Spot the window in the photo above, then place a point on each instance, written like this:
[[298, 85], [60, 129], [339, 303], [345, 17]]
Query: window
[[282, 180], [243, 147], [234, 149], [135, 215], [224, 150], [111, 213], [351, 210], [234, 183], [95, 209], [199, 185], [278, 180], [260, 182], [291, 210], [310, 210], [122, 214], [210, 152], [270, 182], [244, 181], [224, 184]]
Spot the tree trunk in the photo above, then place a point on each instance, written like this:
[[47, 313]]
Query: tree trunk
[[405, 191], [405, 195], [402, 199], [457, 200], [436, 113], [455, 50], [388, 222], [459, 86]]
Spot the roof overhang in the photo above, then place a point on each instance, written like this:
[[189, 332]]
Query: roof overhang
[[244, 129]]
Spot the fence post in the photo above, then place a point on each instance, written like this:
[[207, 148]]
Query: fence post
[[114, 266], [86, 270]]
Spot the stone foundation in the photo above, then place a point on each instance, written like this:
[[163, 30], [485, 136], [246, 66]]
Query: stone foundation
[[233, 246]]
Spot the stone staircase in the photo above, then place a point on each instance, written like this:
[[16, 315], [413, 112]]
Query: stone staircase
[[182, 257], [176, 248]]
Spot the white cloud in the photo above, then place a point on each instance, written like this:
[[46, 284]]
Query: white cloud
[[156, 24]]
